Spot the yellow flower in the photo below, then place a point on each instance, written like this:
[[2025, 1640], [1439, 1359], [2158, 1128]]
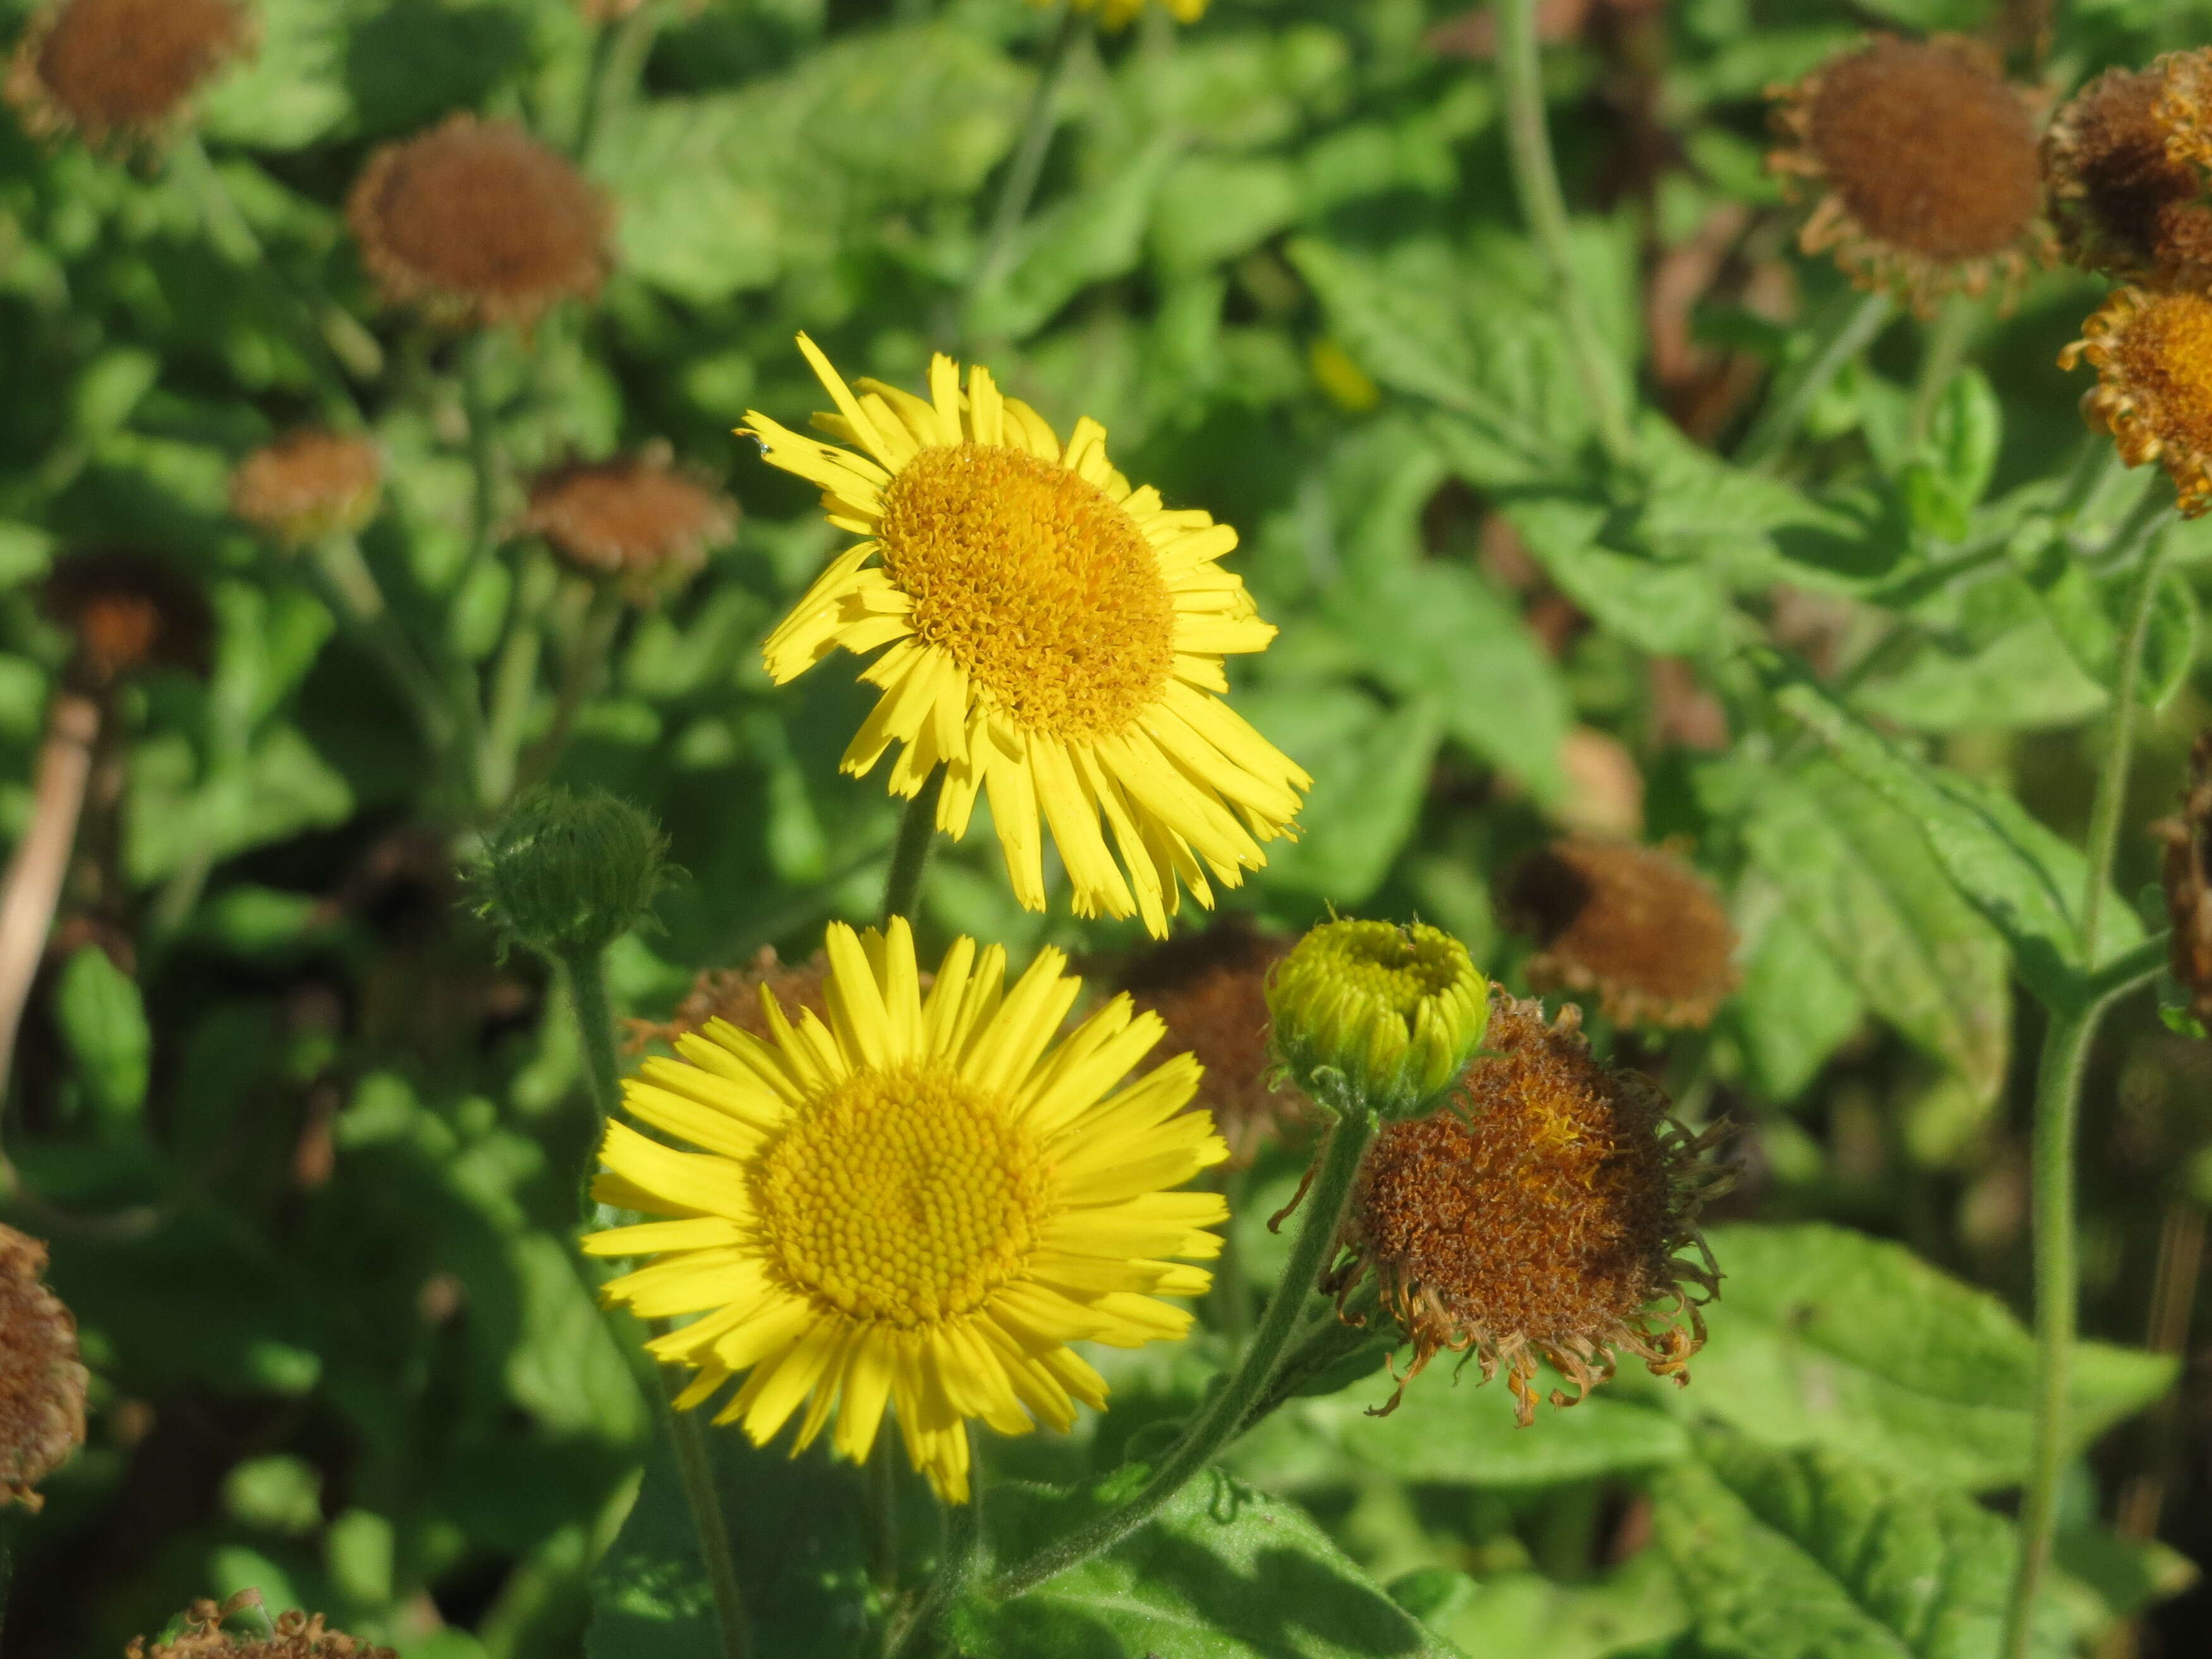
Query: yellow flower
[[1056, 641], [1116, 14], [918, 1204]]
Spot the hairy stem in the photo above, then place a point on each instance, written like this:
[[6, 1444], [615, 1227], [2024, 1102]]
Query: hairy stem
[[2141, 531], [1536, 182], [33, 884], [1219, 1423], [1847, 329], [2058, 1108], [910, 856], [1019, 186]]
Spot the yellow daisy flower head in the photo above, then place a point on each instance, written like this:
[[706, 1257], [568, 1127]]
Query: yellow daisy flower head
[[917, 1203], [1117, 13], [1054, 639]]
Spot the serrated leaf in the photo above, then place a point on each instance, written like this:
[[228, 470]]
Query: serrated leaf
[[2022, 876], [1220, 1573], [1825, 1337], [103, 1019], [2026, 680], [1858, 876], [1807, 1555]]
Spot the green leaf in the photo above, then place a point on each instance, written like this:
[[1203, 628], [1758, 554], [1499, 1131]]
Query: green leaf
[[292, 91], [1087, 238], [1668, 607], [1807, 1555], [1370, 769], [2022, 876], [1636, 1607], [1864, 883], [1824, 1337], [2025, 680], [1210, 208], [794, 1534], [1797, 1004], [1220, 1573], [1447, 1428], [2169, 644], [103, 1019]]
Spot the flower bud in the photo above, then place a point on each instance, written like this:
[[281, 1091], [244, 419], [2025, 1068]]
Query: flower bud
[[568, 874], [1371, 1018]]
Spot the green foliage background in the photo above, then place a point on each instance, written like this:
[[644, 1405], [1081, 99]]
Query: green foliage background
[[320, 1144]]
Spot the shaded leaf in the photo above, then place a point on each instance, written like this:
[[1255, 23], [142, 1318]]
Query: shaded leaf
[[1371, 767], [1797, 1004], [103, 1019]]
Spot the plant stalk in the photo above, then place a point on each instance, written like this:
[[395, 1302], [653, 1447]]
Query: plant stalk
[[586, 972], [1848, 328], [1219, 1423], [917, 834], [1536, 182], [960, 1556], [351, 590], [579, 678], [33, 884], [2058, 1109], [1941, 357], [1019, 187]]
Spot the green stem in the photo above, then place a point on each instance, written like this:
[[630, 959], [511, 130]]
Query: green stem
[[2058, 1108], [351, 589], [696, 1467], [910, 857], [1219, 1423], [1019, 187], [514, 680], [1941, 357], [1537, 181], [960, 1557], [880, 1475], [618, 57], [484, 455], [1847, 329], [586, 972], [2143, 526], [579, 678]]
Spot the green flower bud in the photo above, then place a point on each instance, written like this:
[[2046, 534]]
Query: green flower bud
[[1375, 1019], [568, 874]]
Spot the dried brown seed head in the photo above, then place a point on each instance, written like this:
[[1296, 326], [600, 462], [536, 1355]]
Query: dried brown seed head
[[1211, 988], [2125, 199], [309, 484], [41, 1380], [635, 517], [734, 995], [1634, 924], [2187, 873], [121, 72], [298, 1636], [2152, 349], [476, 222], [129, 609], [1540, 1215], [1927, 156]]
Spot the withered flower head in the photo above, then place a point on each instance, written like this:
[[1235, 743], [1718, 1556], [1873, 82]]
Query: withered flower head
[[2152, 349], [127, 611], [309, 484], [734, 995], [1540, 1215], [298, 1636], [41, 1379], [1211, 988], [1927, 155], [2187, 873], [121, 71], [476, 222], [635, 517], [2117, 160], [1634, 924]]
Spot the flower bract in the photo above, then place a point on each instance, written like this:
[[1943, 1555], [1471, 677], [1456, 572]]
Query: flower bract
[[918, 1204], [1049, 635]]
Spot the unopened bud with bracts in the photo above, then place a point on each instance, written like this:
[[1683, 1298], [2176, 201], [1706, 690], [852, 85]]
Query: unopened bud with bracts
[[1377, 1020], [566, 874]]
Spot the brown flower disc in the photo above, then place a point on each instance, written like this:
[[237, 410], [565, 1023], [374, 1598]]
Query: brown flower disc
[[635, 516], [1539, 1214], [477, 222], [42, 1381], [297, 1636], [2152, 348], [1211, 988], [1929, 147], [308, 484], [122, 68], [1633, 924], [128, 611], [2123, 203]]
